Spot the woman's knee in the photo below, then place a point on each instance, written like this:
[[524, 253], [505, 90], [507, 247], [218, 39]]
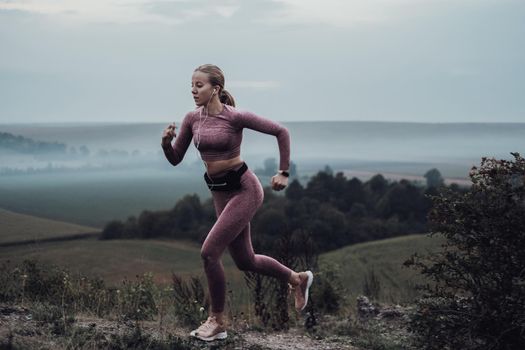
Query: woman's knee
[[209, 255]]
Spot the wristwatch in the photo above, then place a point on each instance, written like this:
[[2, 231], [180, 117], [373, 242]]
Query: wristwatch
[[284, 173]]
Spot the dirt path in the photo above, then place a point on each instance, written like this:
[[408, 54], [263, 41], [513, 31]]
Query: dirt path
[[19, 328]]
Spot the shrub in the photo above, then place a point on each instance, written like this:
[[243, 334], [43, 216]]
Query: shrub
[[113, 230], [477, 296], [371, 284], [270, 295], [190, 300], [329, 289], [60, 319], [137, 300]]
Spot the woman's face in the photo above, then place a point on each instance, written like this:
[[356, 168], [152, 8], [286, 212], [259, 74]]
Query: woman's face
[[201, 88]]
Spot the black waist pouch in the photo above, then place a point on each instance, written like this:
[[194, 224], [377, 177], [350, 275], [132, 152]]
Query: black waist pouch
[[230, 181]]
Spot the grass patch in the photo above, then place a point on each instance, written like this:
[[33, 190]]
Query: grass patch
[[21, 227], [382, 259]]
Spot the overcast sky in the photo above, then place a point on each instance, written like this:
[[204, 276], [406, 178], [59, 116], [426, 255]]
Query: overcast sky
[[289, 60]]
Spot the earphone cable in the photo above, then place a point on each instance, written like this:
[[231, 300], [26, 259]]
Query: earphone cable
[[198, 136]]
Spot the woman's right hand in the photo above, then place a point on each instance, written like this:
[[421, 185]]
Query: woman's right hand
[[169, 133]]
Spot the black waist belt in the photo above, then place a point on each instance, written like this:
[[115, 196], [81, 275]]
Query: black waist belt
[[230, 181]]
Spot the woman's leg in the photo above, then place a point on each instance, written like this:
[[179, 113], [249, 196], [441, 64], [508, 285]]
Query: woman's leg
[[226, 228], [241, 250], [242, 253], [234, 212]]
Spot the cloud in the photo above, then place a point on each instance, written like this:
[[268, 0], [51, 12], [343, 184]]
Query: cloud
[[338, 13], [331, 12], [334, 12], [253, 84], [347, 13], [95, 10], [126, 11], [186, 10]]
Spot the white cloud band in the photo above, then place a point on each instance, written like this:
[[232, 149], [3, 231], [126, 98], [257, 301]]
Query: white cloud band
[[253, 84]]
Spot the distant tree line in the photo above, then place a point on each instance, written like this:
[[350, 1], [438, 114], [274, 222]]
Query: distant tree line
[[27, 145], [56, 151], [336, 211], [22, 144]]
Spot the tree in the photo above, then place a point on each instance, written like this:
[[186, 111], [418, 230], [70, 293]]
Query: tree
[[434, 178], [294, 191], [378, 185], [187, 215], [113, 230], [148, 224], [405, 200], [320, 186], [477, 298], [355, 192], [270, 221], [84, 150], [73, 151]]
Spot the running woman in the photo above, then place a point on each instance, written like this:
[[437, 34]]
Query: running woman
[[216, 129]]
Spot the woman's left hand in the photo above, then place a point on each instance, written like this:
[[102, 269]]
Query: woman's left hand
[[279, 182]]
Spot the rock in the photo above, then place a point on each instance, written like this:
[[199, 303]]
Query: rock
[[365, 309]]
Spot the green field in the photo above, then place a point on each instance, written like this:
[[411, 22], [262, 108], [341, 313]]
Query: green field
[[112, 260], [115, 260], [95, 198], [20, 227], [385, 258]]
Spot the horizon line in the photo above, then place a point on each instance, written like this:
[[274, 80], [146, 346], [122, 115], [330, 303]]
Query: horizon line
[[280, 121]]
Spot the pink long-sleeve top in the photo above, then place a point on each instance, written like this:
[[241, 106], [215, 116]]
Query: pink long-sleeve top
[[219, 136]]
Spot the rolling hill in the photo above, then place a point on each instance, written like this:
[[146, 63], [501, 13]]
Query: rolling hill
[[24, 228], [384, 258], [115, 260]]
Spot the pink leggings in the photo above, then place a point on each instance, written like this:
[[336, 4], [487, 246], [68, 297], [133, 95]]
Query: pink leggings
[[234, 210]]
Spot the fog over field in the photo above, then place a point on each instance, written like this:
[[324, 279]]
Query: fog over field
[[124, 170], [352, 144]]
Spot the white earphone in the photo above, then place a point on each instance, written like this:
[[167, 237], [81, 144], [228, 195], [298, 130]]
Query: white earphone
[[201, 122], [200, 118]]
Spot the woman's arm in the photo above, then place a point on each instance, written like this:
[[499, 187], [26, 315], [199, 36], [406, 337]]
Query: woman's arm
[[252, 121], [175, 153]]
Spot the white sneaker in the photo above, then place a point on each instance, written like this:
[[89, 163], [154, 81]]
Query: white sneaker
[[210, 330], [301, 291]]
